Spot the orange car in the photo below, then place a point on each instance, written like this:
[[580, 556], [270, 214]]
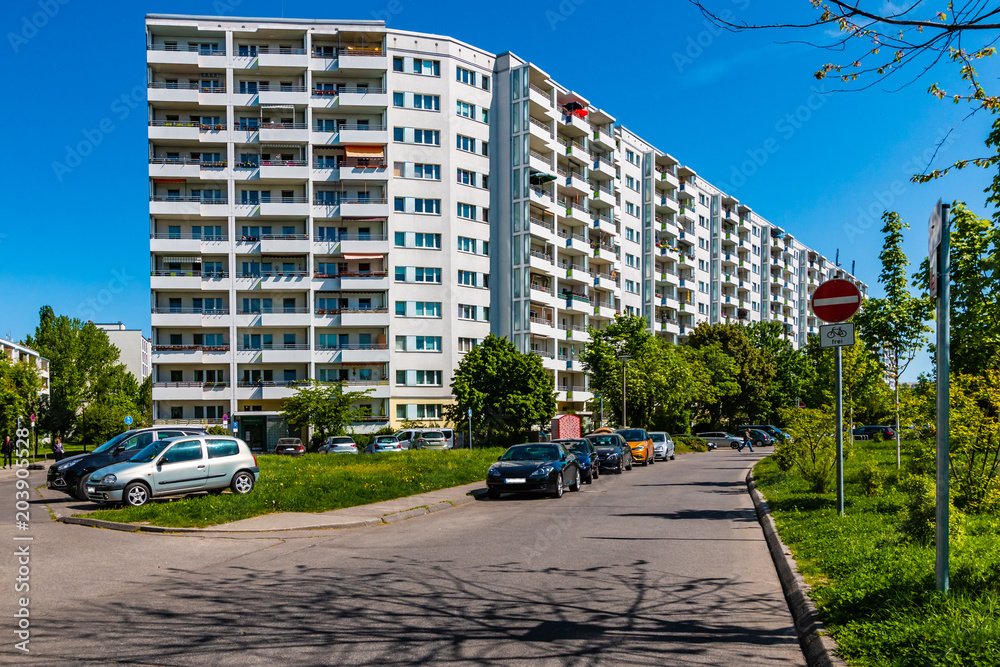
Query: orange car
[[641, 444]]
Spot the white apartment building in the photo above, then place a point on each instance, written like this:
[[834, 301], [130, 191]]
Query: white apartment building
[[19, 353], [342, 201], [134, 349]]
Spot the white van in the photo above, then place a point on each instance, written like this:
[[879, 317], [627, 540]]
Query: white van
[[407, 435]]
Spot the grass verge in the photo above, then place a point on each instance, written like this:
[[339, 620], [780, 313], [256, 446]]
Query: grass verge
[[317, 483], [874, 589]]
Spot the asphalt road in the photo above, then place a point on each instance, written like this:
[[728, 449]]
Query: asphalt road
[[659, 566]]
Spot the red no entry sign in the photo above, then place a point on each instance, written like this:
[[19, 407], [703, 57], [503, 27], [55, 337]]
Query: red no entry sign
[[836, 300]]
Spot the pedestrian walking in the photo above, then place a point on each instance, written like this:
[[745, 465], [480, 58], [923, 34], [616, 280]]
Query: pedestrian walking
[[59, 450], [8, 452], [747, 441]]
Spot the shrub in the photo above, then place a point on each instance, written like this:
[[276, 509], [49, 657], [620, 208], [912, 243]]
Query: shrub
[[812, 450], [784, 455], [871, 478], [919, 517]]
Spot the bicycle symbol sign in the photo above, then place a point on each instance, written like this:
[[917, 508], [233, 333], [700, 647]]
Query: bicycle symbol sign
[[836, 335]]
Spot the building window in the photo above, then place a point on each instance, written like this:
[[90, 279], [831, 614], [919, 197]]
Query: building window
[[465, 109], [464, 143], [463, 75], [467, 211]]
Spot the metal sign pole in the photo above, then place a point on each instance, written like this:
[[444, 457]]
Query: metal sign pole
[[839, 390], [470, 428], [943, 403]]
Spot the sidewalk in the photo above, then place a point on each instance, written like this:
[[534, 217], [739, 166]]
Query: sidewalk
[[386, 512]]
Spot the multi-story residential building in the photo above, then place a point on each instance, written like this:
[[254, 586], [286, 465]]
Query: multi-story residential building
[[133, 347], [342, 201], [19, 353]]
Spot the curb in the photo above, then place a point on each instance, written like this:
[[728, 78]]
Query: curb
[[387, 519], [818, 647]]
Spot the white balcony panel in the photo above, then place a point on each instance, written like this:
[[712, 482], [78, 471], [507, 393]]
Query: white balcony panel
[[189, 208], [245, 99], [285, 246], [365, 283], [366, 63], [174, 170], [280, 319], [173, 95], [363, 247], [179, 281], [286, 356], [363, 137], [175, 245], [284, 172], [360, 318], [364, 356], [294, 60], [285, 282], [290, 209], [172, 57], [286, 135], [181, 391], [162, 356], [379, 209], [361, 100], [174, 133]]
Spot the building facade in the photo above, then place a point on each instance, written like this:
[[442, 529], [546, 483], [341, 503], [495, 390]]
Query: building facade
[[342, 201], [134, 349], [19, 353]]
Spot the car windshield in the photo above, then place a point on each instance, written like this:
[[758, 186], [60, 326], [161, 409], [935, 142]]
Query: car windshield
[[385, 440], [531, 453], [109, 445], [341, 441], [151, 451], [657, 437], [633, 434], [577, 447], [432, 435], [604, 440]]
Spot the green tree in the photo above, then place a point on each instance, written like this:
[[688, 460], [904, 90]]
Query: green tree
[[507, 391], [644, 372], [792, 370], [755, 371], [811, 451], [713, 381], [894, 327], [324, 406], [19, 387], [866, 396], [83, 368]]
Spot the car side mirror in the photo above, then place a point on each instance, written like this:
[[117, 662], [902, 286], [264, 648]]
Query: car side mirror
[[500, 458], [163, 460], [119, 449]]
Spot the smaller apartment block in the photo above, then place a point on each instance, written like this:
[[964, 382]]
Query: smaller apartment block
[[19, 353], [341, 201]]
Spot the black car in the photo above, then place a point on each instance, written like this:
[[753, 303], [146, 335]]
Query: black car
[[545, 467], [613, 453], [868, 432], [70, 474], [586, 456]]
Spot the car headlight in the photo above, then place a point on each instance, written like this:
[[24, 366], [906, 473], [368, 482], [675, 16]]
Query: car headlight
[[109, 479], [493, 472], [63, 466], [544, 471]]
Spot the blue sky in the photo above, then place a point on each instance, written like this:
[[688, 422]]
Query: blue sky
[[741, 109]]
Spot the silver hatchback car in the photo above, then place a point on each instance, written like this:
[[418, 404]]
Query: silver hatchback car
[[176, 466]]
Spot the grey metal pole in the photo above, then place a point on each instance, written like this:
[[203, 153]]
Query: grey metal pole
[[839, 390], [470, 428], [943, 403], [623, 393], [601, 423]]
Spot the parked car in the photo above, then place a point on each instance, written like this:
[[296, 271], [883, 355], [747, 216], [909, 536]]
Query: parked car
[[383, 443], [70, 475], [760, 438], [663, 445], [868, 432], [678, 436], [408, 437], [177, 466], [777, 435], [289, 447], [613, 453], [642, 446], [338, 444], [586, 456], [721, 438], [430, 440], [545, 467]]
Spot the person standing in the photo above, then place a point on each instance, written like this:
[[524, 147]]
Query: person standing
[[59, 450], [747, 441], [8, 452]]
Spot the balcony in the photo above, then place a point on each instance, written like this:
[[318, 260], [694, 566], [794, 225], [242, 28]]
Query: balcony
[[577, 303], [352, 134], [602, 165], [541, 129], [284, 207], [192, 354], [604, 139], [542, 98], [186, 205], [189, 54], [364, 317], [186, 93], [541, 261], [172, 130], [357, 99], [283, 95], [352, 244], [284, 170], [285, 244], [189, 317], [361, 59], [575, 149], [284, 280], [371, 281], [191, 391], [575, 332], [284, 133], [174, 168], [540, 326], [283, 56]]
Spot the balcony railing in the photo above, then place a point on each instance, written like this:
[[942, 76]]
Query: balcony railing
[[543, 321], [169, 310], [273, 383], [352, 127], [188, 198], [265, 88], [547, 224], [572, 327], [543, 93], [191, 348], [284, 126], [284, 163], [179, 273], [202, 385], [541, 125], [186, 48], [272, 346], [362, 51], [354, 346], [348, 200], [542, 256], [296, 310], [185, 85], [570, 235], [362, 91], [538, 287]]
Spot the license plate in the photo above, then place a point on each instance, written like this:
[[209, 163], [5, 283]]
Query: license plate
[[514, 480]]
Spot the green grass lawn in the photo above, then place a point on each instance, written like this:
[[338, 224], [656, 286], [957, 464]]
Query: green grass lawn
[[318, 483], [876, 591]]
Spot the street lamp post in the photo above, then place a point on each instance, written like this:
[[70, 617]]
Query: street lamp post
[[624, 359]]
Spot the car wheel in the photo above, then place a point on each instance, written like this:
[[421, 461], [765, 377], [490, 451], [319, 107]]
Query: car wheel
[[672, 455], [493, 494], [734, 445], [558, 491], [575, 486], [80, 491], [629, 466], [652, 459], [136, 494], [242, 483]]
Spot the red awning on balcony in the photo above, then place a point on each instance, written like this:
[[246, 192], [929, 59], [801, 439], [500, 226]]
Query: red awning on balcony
[[364, 256]]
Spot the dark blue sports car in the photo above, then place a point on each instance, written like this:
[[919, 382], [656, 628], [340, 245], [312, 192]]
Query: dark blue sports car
[[539, 467], [586, 456]]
